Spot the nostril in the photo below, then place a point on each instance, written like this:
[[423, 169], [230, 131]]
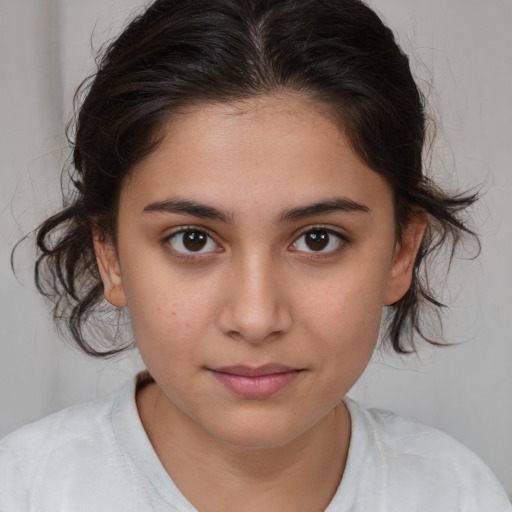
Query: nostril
[[254, 324], [255, 307]]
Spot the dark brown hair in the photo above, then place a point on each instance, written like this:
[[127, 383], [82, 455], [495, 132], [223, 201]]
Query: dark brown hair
[[180, 53]]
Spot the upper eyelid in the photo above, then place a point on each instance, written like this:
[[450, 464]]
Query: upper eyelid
[[184, 229], [343, 242], [300, 232], [319, 227], [190, 256]]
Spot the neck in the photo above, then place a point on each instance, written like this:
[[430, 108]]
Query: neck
[[214, 475]]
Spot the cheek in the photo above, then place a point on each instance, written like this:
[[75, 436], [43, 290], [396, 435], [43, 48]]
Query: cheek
[[345, 315], [168, 314], [352, 301]]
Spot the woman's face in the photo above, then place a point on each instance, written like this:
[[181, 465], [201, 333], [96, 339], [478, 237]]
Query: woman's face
[[255, 253]]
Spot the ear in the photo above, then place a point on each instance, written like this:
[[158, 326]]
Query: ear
[[110, 270], [404, 257]]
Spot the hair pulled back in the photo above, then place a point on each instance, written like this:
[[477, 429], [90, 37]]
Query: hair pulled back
[[180, 53]]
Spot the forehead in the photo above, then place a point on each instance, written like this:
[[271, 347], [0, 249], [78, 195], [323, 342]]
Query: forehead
[[264, 153]]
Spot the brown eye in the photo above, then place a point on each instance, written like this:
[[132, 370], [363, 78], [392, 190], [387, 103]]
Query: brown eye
[[192, 241], [319, 240]]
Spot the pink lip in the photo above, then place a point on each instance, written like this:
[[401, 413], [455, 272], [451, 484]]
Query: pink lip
[[255, 382]]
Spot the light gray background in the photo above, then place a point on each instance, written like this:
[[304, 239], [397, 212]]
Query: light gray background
[[463, 46]]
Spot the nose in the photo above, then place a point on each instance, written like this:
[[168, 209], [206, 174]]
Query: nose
[[255, 308]]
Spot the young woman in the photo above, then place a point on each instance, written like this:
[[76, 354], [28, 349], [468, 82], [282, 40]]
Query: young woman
[[249, 185]]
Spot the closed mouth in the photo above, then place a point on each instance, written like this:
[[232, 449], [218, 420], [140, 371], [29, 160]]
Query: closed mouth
[[255, 371], [255, 382]]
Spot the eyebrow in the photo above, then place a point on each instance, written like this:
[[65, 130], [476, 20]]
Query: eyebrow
[[192, 208], [204, 211], [323, 208]]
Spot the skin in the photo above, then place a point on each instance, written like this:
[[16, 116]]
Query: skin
[[256, 294]]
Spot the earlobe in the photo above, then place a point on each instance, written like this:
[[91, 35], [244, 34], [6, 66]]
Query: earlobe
[[405, 255], [110, 270]]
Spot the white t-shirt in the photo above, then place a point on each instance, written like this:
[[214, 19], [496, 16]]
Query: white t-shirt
[[97, 457]]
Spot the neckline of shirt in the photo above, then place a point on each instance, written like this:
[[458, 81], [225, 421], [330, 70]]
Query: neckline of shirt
[[133, 440]]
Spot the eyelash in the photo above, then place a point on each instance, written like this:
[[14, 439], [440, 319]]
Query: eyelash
[[192, 257], [343, 241]]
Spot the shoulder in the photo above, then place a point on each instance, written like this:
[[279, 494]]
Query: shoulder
[[57, 429], [75, 428], [416, 463], [53, 457], [405, 438], [77, 425]]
